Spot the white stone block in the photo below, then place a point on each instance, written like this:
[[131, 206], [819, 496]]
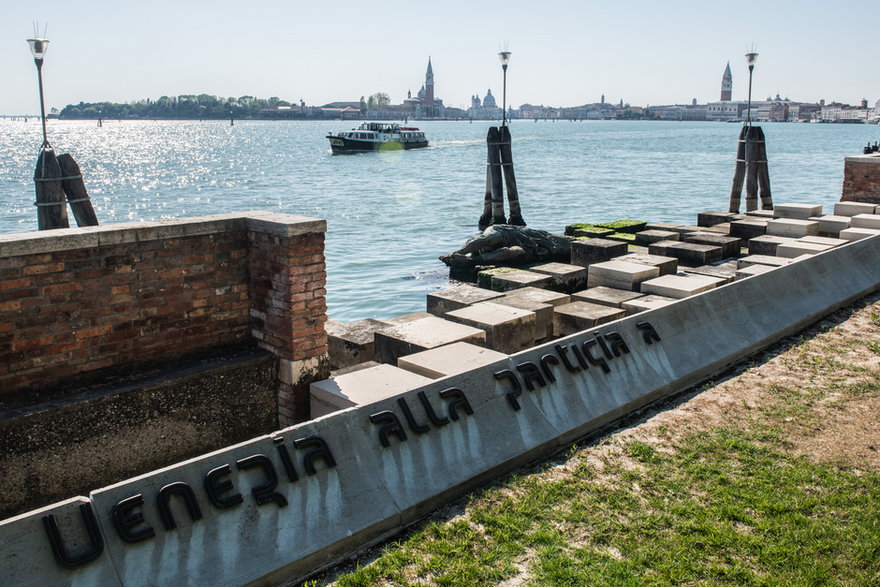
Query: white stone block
[[361, 387], [449, 360], [792, 227], [797, 211], [866, 221], [853, 208], [680, 286]]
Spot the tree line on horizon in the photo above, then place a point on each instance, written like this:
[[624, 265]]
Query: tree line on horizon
[[185, 106]]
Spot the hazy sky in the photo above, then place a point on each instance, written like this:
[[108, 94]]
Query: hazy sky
[[564, 53]]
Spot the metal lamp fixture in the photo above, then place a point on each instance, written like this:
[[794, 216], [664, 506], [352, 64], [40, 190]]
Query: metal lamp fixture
[[751, 57], [505, 59], [38, 48]]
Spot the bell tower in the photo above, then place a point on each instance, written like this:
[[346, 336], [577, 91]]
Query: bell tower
[[429, 85], [726, 84]]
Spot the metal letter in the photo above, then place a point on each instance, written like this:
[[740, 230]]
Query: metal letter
[[318, 449], [457, 399], [189, 498], [517, 388], [264, 493], [96, 541], [562, 351], [124, 519], [388, 424], [531, 372], [215, 487], [648, 333], [429, 410], [410, 419]]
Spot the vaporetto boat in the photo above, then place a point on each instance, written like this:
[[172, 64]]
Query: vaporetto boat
[[377, 136]]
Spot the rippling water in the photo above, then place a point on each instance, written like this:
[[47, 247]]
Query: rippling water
[[390, 215]]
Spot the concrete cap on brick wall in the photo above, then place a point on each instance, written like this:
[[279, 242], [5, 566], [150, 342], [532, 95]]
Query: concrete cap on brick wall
[[48, 241]]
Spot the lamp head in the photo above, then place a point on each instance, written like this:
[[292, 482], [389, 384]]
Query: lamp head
[[751, 57], [505, 58], [38, 47]]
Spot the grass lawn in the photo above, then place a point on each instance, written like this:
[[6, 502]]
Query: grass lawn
[[770, 477]]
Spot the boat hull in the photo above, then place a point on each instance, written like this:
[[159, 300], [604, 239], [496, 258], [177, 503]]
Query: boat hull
[[343, 145]]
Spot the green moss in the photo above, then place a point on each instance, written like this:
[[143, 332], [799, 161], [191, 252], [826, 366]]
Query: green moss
[[622, 236], [628, 226], [484, 278]]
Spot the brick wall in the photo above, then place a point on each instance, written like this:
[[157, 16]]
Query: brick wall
[[861, 179], [79, 305]]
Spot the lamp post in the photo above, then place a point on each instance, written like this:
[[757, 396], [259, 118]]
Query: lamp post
[[38, 48], [505, 59], [751, 57]]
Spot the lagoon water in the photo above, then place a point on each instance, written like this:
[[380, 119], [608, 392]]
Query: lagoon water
[[390, 215]]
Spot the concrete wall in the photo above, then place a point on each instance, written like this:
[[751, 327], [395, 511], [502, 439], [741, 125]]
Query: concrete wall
[[80, 305], [113, 432], [861, 179], [278, 506]]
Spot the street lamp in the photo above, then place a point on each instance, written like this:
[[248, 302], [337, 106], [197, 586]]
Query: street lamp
[[38, 48], [505, 59], [751, 57]]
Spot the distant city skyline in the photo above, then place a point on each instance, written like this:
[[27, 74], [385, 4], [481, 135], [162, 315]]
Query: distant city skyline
[[643, 53]]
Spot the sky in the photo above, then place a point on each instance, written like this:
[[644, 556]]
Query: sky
[[564, 53]]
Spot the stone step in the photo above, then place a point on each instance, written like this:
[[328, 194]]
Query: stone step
[[595, 250], [645, 303], [748, 260], [361, 387], [543, 314], [680, 286], [832, 224], [620, 274], [797, 211], [798, 248], [767, 244], [646, 237], [725, 271], [762, 214], [666, 265], [792, 228], [459, 296], [565, 278], [853, 208], [605, 296], [854, 234], [350, 343], [752, 270], [706, 219], [730, 245], [866, 221], [689, 254], [823, 240], [449, 359], [398, 340], [748, 228], [578, 316], [519, 278], [508, 329]]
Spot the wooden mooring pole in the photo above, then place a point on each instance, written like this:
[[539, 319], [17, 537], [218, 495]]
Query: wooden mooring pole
[[510, 178], [493, 137], [75, 189], [499, 162], [51, 207], [751, 168]]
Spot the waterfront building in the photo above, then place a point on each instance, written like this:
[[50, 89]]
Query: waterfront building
[[487, 109], [726, 110]]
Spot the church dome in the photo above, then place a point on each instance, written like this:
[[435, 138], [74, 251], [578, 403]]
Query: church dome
[[489, 100]]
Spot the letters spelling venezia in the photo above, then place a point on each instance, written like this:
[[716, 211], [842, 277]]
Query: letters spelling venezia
[[596, 352]]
